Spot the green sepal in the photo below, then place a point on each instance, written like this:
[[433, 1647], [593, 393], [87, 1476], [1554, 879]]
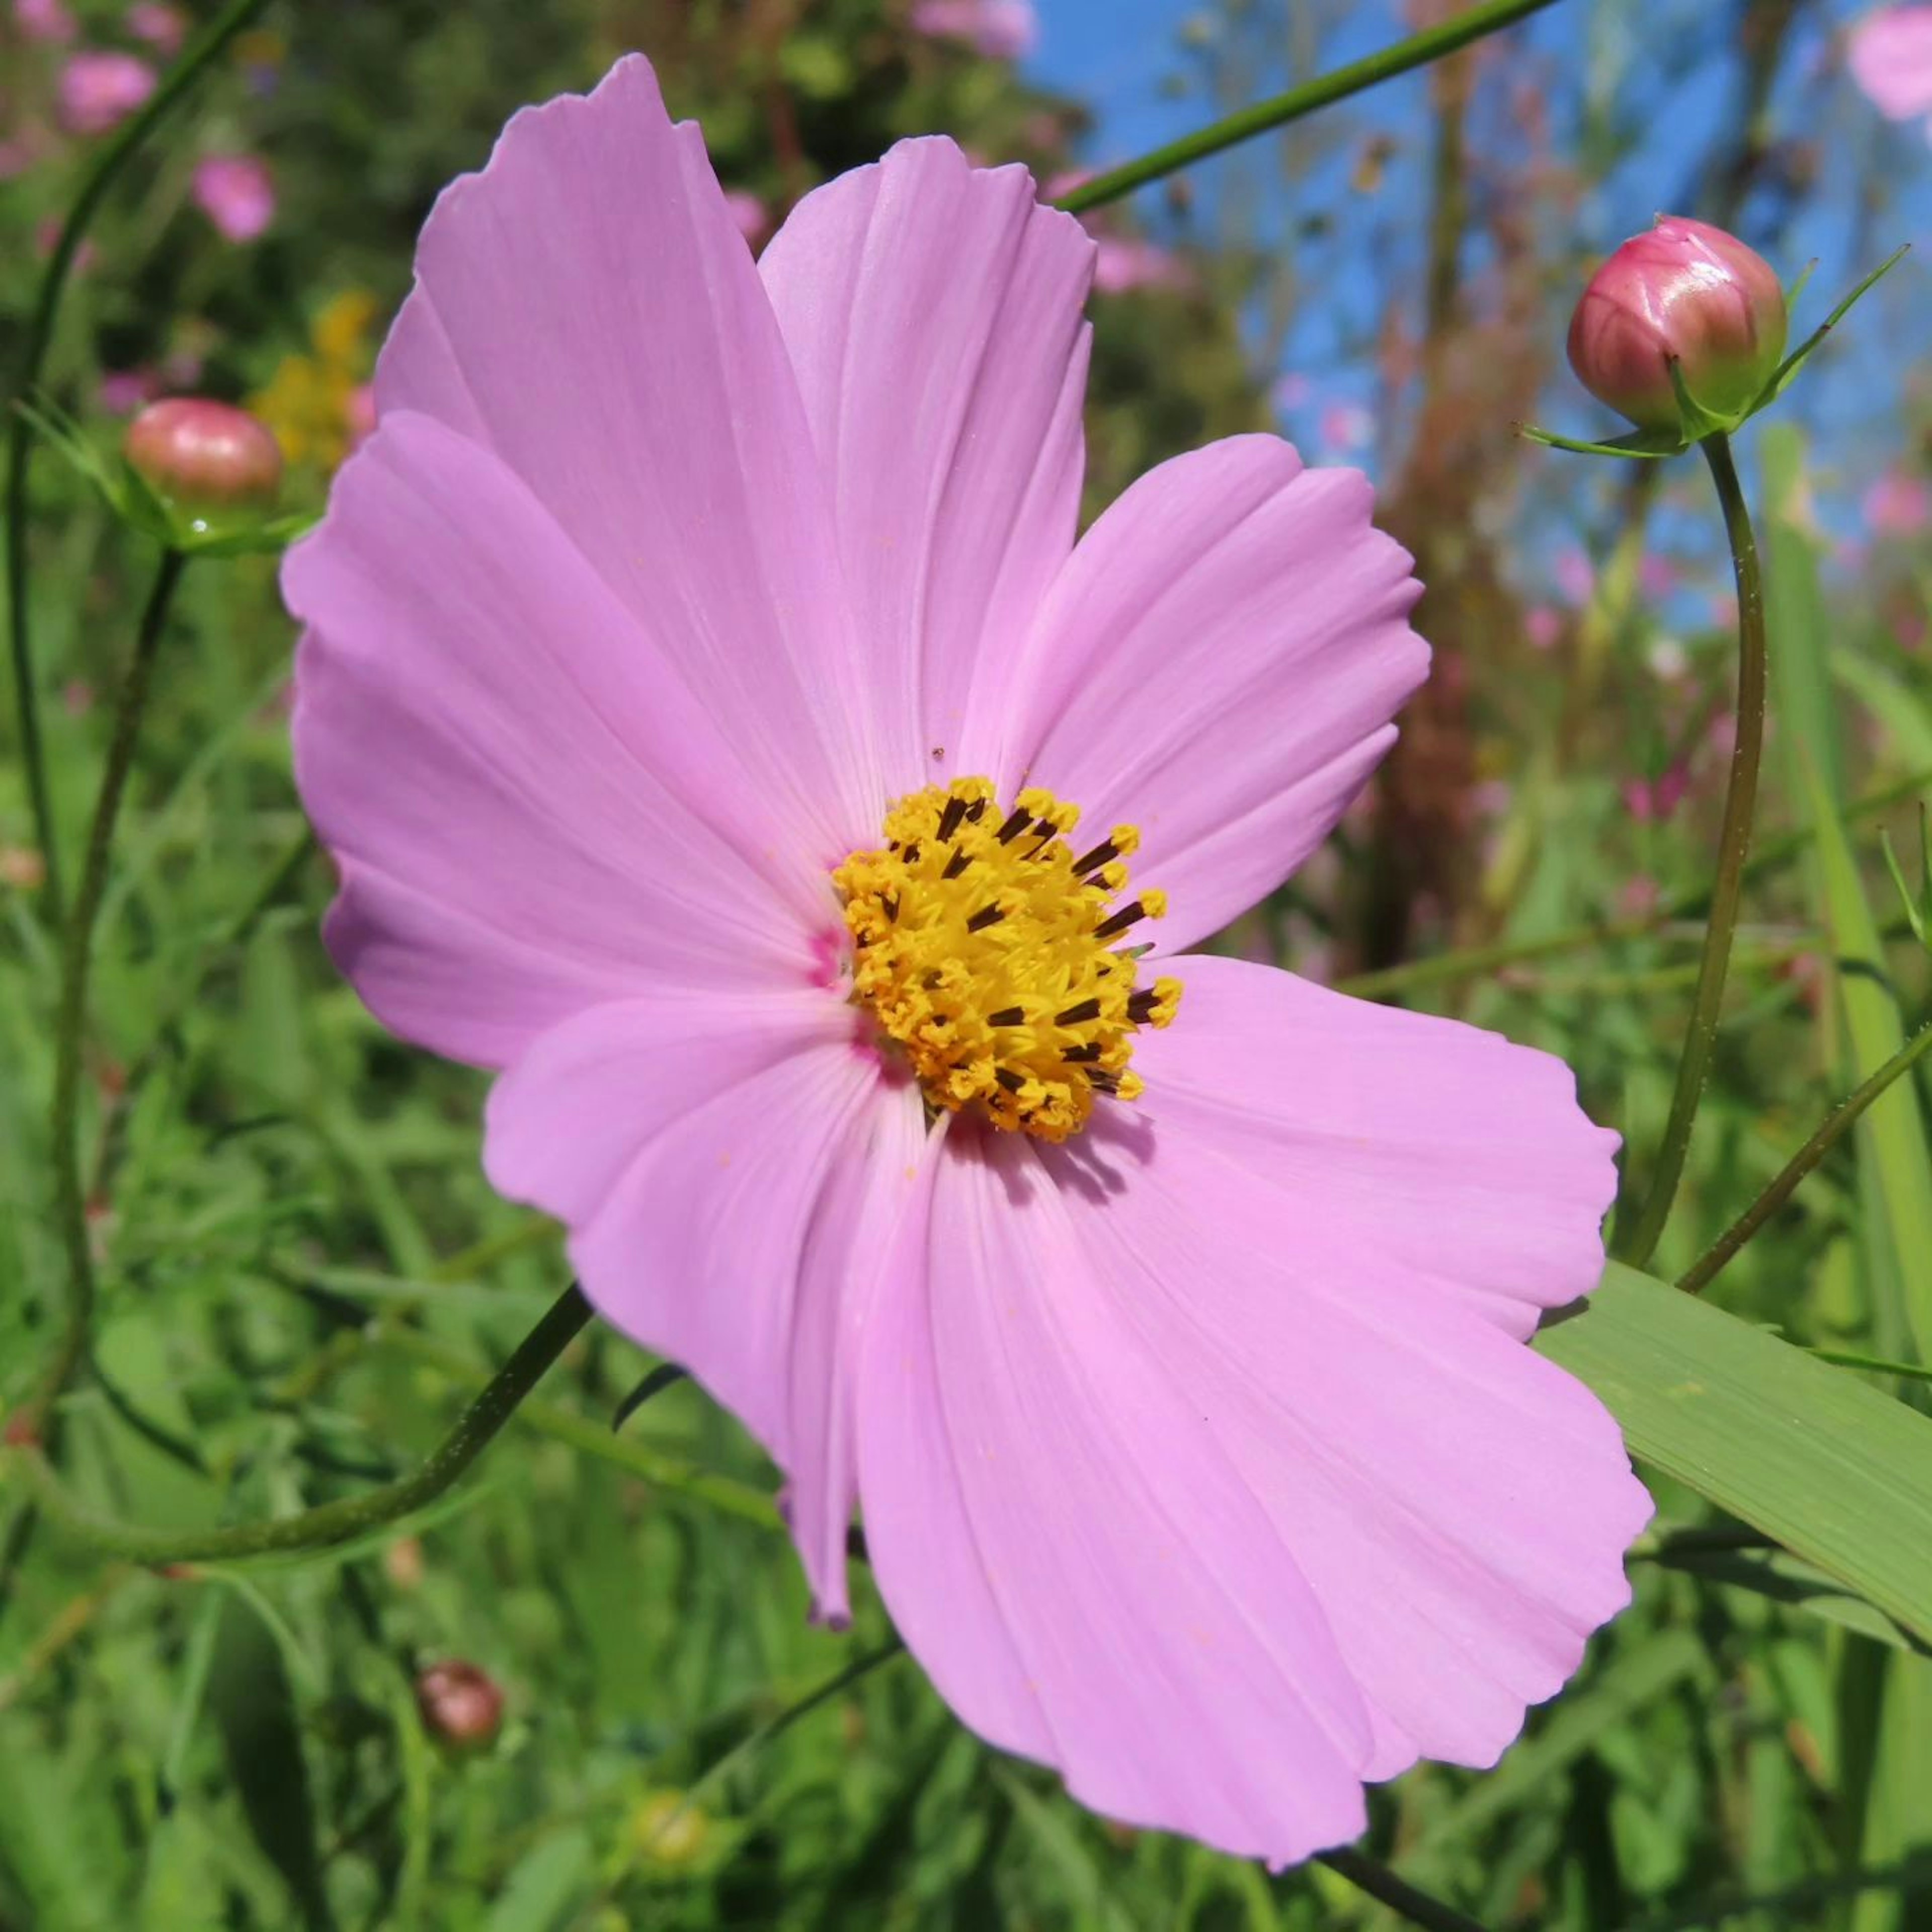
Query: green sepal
[[1781, 377], [1642, 445]]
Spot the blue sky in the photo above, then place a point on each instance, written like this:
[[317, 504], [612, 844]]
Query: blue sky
[[1874, 180]]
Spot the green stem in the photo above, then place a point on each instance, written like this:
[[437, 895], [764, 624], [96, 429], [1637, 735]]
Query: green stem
[[1693, 1069], [331, 1523], [200, 51], [1780, 1190], [1401, 1897], [71, 1020], [1418, 50]]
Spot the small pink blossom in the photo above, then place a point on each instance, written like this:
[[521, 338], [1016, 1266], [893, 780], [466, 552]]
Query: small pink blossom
[[1199, 1450], [1897, 505], [1543, 625], [1000, 29], [749, 214], [98, 91], [1650, 801], [1638, 897], [1657, 576], [1125, 263], [1576, 577], [46, 20], [1290, 391], [161, 26], [1890, 56], [360, 414], [1346, 428], [122, 391], [236, 193]]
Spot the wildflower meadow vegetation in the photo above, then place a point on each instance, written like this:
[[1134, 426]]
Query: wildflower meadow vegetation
[[936, 992]]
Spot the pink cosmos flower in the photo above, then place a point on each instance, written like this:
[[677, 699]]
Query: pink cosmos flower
[[161, 26], [1897, 505], [1123, 263], [1890, 56], [236, 193], [47, 20], [688, 656], [1000, 29], [98, 91]]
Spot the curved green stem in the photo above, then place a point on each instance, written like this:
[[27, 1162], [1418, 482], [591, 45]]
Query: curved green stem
[[199, 52], [1418, 50], [1693, 1069], [1398, 1894], [331, 1523], [71, 1020], [1780, 1190]]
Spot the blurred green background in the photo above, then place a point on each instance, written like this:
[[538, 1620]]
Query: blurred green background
[[304, 1276]]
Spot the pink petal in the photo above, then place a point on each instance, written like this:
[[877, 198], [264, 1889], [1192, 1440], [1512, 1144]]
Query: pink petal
[[1891, 58], [586, 306], [1393, 1199], [933, 313], [531, 812], [1194, 1468], [1218, 664], [736, 1177], [1067, 1546]]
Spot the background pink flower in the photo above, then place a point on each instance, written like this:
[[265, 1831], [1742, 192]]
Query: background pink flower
[[47, 20], [1890, 56], [163, 27], [98, 91], [1200, 1455], [1123, 263], [748, 214], [1000, 29], [237, 193], [1897, 505]]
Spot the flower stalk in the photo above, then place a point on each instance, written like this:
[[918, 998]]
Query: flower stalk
[[1637, 1240], [335, 1523], [1836, 1124], [200, 52], [1418, 50], [70, 1019]]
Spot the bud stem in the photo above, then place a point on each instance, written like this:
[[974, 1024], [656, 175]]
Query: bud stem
[[71, 1021], [1835, 1125], [1635, 1246], [335, 1522], [199, 53]]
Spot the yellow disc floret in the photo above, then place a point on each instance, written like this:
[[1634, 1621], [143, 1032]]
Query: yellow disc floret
[[986, 951]]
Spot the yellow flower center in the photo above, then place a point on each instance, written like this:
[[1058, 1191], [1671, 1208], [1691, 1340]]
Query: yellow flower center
[[985, 949]]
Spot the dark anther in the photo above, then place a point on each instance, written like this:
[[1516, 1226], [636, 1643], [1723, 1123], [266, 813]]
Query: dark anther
[[1075, 1056], [1014, 827], [1101, 853], [1105, 1082], [1008, 1078], [976, 811], [987, 915], [956, 865], [948, 819], [910, 855], [1087, 1009], [891, 903], [1140, 1005], [1127, 916], [1007, 1016]]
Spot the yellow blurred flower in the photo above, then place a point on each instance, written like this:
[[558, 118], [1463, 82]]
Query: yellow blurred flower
[[669, 1830], [314, 403]]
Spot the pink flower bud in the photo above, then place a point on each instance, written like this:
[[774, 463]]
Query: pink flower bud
[[98, 91], [460, 1705], [1688, 293], [204, 457]]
